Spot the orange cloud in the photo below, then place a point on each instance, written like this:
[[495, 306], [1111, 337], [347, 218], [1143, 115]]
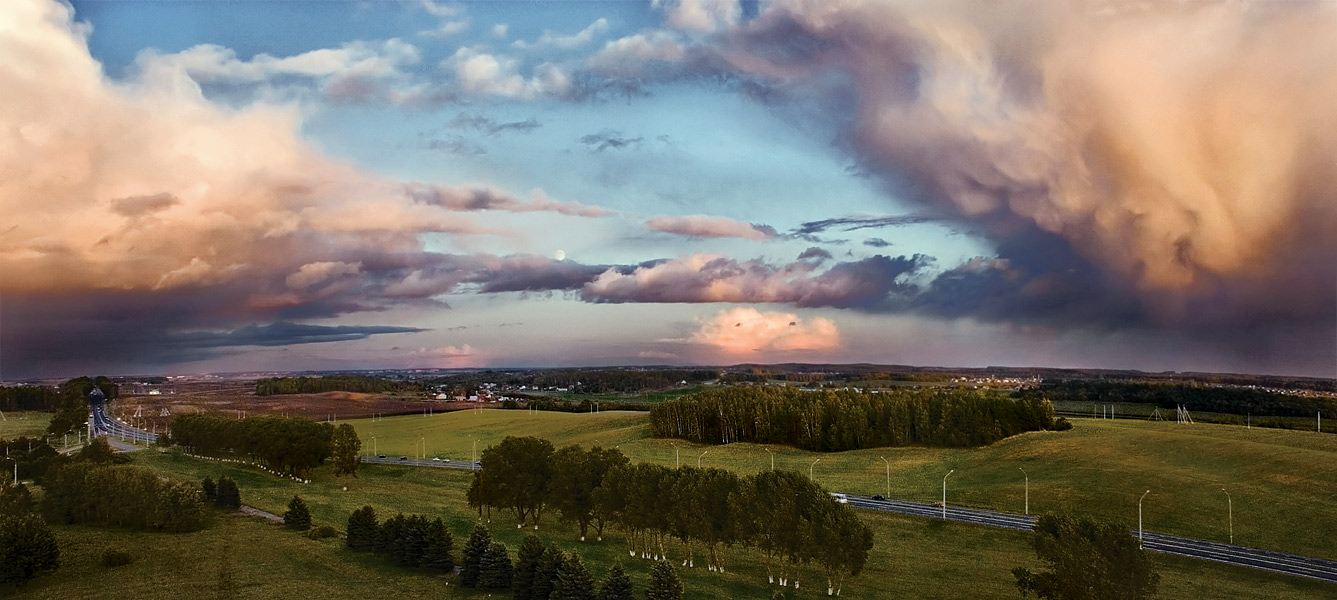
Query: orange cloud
[[745, 330]]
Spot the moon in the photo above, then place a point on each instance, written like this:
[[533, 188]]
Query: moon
[[559, 255]]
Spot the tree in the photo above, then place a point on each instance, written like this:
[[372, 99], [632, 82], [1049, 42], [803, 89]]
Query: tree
[[439, 554], [526, 562], [98, 451], [346, 449], [362, 530], [545, 574], [27, 548], [574, 581], [664, 583], [229, 496], [576, 473], [515, 475], [210, 490], [617, 586], [15, 500], [1088, 559], [472, 557], [180, 508], [298, 516], [495, 570]]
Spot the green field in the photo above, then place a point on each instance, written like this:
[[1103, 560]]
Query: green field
[[1088, 468], [650, 397], [1283, 483], [24, 424], [913, 557]]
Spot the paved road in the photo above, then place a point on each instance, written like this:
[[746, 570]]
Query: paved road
[[104, 425], [421, 462], [1268, 560]]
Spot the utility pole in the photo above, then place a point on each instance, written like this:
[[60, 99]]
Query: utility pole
[[884, 459], [1028, 489], [1230, 515], [944, 493], [1139, 519]]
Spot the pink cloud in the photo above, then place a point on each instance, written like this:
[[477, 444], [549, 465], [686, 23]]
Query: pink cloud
[[705, 226]]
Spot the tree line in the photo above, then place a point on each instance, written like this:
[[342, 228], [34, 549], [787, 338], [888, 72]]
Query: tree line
[[286, 445], [1233, 400], [274, 386], [88, 493], [789, 518], [836, 420]]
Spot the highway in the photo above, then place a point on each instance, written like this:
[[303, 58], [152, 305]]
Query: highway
[[1267, 560], [421, 462], [104, 425]]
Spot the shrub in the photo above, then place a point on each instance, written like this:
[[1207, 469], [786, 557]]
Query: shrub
[[112, 557], [322, 532]]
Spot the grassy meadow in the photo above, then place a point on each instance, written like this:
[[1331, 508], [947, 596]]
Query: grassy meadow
[[18, 424]]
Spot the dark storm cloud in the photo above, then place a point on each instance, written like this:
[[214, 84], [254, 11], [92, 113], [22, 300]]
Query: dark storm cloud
[[817, 255], [282, 333], [857, 223]]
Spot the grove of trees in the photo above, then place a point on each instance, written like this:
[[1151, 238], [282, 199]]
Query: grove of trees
[[1214, 398], [837, 420], [274, 386], [287, 445], [789, 518], [412, 541], [121, 496]]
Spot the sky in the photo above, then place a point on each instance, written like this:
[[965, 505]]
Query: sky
[[207, 186]]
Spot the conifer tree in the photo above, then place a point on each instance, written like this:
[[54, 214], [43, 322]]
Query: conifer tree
[[471, 557], [664, 583], [545, 574], [362, 529], [210, 490], [229, 496], [617, 586], [495, 570], [526, 563], [298, 516], [439, 554], [574, 581]]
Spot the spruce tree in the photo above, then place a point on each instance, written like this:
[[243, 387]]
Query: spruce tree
[[229, 496], [617, 586], [495, 571], [472, 556], [27, 548], [362, 530], [210, 490], [439, 555], [574, 581], [298, 515], [526, 562], [664, 583], [545, 574]]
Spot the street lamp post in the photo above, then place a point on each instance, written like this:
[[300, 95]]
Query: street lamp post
[[373, 445], [1230, 515], [772, 457], [676, 464], [814, 463], [474, 464], [698, 459], [944, 493], [1139, 519], [884, 459], [1028, 489], [423, 439]]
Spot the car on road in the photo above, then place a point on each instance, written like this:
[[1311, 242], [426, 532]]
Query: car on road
[[381, 456], [437, 459], [841, 498], [879, 497], [403, 458]]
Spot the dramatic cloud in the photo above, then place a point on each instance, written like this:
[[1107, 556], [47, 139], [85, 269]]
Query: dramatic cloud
[[704, 226], [868, 283], [857, 223], [815, 254], [279, 334], [1182, 148], [746, 330]]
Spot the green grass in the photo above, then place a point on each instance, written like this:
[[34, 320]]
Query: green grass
[[651, 397], [912, 558], [1283, 483], [24, 424]]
